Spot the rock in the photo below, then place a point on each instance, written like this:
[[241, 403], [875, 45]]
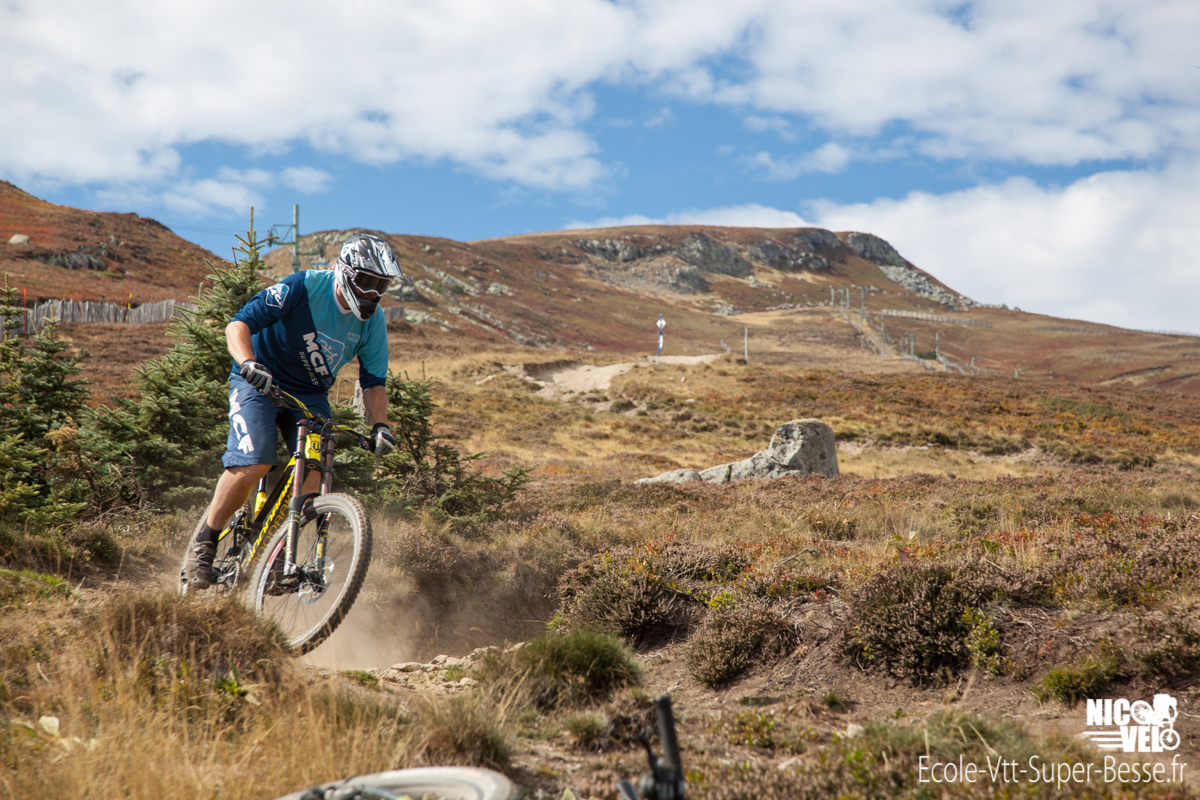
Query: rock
[[702, 251], [853, 730], [674, 476], [19, 238], [805, 445], [793, 259], [685, 280], [874, 249], [798, 447], [610, 250], [439, 659], [409, 666]]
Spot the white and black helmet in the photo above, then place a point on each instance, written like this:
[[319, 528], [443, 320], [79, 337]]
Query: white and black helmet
[[366, 266]]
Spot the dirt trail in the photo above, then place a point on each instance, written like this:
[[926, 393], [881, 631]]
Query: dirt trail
[[564, 379]]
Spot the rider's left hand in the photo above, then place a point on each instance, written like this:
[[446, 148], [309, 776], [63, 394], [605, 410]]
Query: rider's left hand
[[382, 441]]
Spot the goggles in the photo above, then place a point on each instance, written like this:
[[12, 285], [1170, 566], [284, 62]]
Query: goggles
[[369, 282]]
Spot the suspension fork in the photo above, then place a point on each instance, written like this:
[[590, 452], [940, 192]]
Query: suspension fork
[[328, 445], [309, 453]]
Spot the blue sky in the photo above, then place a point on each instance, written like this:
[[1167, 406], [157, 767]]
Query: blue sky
[[1044, 155]]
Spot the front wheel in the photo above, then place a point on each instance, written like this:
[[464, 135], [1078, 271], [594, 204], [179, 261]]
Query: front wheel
[[332, 552]]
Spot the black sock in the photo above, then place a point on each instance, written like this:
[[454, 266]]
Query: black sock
[[206, 534]]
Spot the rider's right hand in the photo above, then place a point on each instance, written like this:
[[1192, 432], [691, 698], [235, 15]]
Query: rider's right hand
[[257, 375]]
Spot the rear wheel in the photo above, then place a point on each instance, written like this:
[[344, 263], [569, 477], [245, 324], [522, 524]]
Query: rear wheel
[[309, 605], [227, 567]]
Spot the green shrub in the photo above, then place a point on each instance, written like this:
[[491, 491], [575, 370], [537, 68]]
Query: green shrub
[[587, 730], [984, 645], [731, 640], [562, 670], [18, 589], [462, 729], [1083, 678], [425, 472]]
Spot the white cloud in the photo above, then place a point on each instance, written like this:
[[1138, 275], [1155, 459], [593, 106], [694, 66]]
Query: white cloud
[[503, 88], [307, 180], [829, 158], [750, 215], [1047, 83], [228, 191], [1118, 247]]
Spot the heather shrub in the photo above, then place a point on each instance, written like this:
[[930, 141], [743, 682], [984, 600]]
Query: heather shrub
[[644, 594], [731, 640], [1174, 647], [562, 670], [786, 581], [1135, 568], [914, 620]]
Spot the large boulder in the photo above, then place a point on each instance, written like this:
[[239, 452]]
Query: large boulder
[[799, 447]]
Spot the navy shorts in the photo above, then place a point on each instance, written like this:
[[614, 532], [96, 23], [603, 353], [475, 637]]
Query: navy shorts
[[253, 420]]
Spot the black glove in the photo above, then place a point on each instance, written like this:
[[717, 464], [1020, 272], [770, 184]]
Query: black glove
[[382, 441], [257, 375]]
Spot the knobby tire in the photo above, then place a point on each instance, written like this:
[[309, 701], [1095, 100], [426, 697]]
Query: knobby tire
[[309, 615]]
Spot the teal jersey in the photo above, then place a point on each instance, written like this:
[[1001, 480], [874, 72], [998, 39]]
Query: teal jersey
[[301, 334]]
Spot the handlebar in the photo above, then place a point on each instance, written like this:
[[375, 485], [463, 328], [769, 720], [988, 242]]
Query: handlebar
[[665, 781], [282, 399]]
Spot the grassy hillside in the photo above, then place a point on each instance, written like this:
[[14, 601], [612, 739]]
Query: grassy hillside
[[993, 551]]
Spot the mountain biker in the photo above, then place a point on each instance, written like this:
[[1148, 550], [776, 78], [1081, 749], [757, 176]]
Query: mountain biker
[[295, 335]]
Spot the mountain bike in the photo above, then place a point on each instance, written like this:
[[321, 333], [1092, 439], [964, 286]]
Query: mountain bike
[[318, 544], [665, 781]]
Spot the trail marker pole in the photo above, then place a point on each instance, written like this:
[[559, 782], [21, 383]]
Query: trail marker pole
[[661, 324], [746, 344]]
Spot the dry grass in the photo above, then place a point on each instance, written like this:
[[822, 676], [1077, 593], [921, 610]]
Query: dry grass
[[174, 699]]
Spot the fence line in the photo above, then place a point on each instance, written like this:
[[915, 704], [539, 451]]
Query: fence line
[[69, 311], [975, 323]]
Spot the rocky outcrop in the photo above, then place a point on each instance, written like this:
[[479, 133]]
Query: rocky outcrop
[[875, 250], [685, 280], [918, 282], [902, 272], [706, 253], [790, 259], [610, 249], [799, 447]]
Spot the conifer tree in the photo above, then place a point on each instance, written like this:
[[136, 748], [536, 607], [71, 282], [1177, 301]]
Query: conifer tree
[[40, 396], [165, 447]]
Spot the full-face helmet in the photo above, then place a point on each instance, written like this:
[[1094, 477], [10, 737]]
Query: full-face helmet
[[366, 266]]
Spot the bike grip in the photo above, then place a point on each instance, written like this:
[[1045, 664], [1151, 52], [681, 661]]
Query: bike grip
[[666, 732]]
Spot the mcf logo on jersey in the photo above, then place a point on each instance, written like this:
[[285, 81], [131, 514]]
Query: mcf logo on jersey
[[1140, 727], [324, 353], [276, 295]]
